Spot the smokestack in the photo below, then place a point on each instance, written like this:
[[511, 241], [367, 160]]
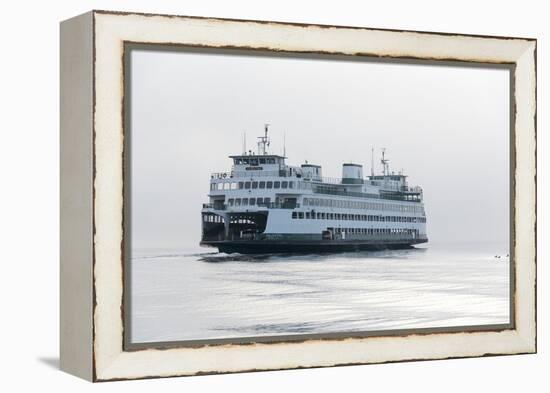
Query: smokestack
[[352, 173]]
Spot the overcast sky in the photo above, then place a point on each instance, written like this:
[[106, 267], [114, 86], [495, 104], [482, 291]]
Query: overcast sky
[[446, 127]]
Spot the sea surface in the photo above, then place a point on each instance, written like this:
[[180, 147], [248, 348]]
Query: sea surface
[[197, 294]]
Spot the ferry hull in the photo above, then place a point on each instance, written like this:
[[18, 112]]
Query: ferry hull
[[306, 247]]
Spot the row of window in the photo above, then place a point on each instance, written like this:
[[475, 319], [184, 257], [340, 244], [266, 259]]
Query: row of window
[[213, 218], [355, 217], [334, 203], [252, 185], [364, 205], [320, 202], [248, 201], [375, 231], [255, 161]]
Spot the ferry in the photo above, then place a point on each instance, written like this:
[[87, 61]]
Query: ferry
[[265, 206]]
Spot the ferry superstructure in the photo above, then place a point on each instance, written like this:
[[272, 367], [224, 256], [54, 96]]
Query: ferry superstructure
[[264, 205]]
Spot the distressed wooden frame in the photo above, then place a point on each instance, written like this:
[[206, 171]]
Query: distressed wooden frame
[[92, 189]]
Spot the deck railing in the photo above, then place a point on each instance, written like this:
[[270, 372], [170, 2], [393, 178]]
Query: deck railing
[[308, 179], [280, 173], [328, 185], [270, 205]]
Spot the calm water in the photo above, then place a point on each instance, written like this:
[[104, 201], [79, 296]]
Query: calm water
[[201, 294]]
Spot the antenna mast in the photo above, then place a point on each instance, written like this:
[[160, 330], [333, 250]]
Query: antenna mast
[[284, 144], [372, 161], [263, 142], [385, 163]]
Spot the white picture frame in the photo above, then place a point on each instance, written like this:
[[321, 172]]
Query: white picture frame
[[92, 195]]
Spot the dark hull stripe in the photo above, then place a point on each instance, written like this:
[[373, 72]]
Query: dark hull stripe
[[326, 246]]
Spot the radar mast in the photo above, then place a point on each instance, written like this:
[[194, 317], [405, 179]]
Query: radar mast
[[385, 163], [263, 142]]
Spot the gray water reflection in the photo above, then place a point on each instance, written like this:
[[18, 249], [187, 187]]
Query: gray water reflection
[[200, 294]]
